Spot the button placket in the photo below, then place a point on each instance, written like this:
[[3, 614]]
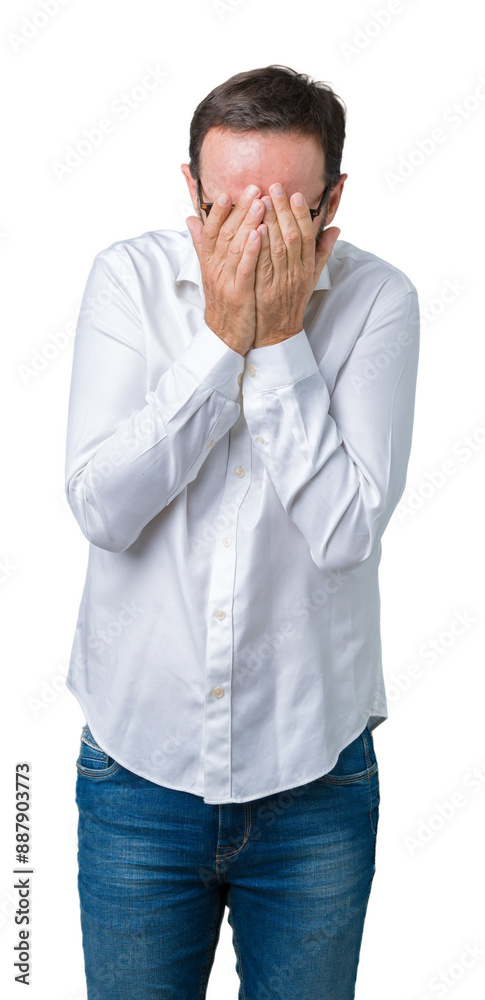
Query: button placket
[[220, 633]]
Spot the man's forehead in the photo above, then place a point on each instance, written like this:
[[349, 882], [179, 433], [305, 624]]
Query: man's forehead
[[219, 133], [266, 144], [242, 158]]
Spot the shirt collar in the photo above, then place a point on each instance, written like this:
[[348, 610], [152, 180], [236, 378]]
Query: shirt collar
[[190, 268]]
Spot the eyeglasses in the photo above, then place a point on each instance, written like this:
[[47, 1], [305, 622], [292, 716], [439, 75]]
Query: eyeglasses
[[207, 205]]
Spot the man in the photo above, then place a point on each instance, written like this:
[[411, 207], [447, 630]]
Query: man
[[239, 429]]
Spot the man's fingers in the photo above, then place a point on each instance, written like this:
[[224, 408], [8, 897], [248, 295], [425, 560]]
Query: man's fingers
[[291, 228], [305, 225], [224, 221], [264, 268], [245, 274], [230, 249], [239, 212], [212, 225], [323, 249], [276, 243]]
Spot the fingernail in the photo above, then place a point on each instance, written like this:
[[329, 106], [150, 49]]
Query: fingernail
[[277, 190], [223, 199], [252, 191], [267, 202], [253, 236], [298, 199]]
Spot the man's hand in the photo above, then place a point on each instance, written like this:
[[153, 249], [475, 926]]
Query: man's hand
[[288, 267], [227, 257]]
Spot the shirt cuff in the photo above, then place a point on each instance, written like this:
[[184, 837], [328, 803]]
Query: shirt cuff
[[209, 359], [276, 365]]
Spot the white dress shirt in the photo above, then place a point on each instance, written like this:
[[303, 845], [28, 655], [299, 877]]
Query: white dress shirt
[[228, 636]]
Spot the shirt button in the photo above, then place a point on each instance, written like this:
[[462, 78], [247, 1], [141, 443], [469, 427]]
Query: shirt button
[[251, 370], [259, 438], [211, 443], [240, 378], [220, 615], [226, 542], [217, 692], [239, 470]]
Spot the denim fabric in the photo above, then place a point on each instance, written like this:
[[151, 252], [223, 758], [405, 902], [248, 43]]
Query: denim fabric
[[157, 867]]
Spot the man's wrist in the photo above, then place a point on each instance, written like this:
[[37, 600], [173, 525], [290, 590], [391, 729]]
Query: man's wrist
[[275, 338], [230, 341], [279, 364]]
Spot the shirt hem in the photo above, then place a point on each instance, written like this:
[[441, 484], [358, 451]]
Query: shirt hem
[[208, 801]]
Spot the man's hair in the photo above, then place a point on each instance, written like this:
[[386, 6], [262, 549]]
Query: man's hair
[[273, 99]]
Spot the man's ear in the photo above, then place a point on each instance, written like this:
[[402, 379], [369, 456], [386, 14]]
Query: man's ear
[[335, 198], [192, 186], [196, 225]]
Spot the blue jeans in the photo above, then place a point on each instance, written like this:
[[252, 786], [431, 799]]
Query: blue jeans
[[157, 866]]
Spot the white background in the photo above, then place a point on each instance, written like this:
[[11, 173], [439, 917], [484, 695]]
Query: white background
[[400, 81]]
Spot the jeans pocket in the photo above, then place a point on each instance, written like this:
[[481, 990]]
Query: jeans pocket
[[356, 762], [93, 761]]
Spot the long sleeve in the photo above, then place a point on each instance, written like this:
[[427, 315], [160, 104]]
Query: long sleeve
[[230, 647], [338, 463], [129, 452]]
